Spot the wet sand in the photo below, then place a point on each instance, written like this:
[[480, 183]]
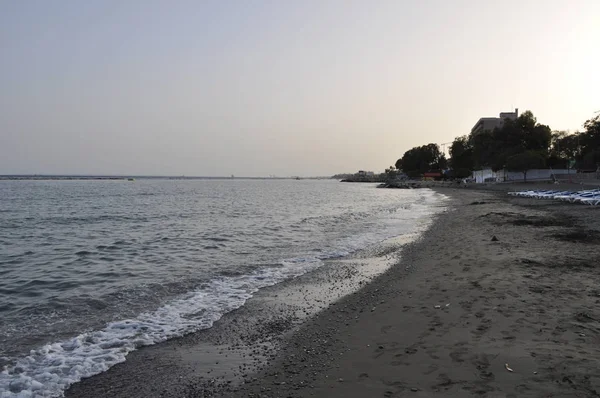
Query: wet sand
[[216, 360], [460, 314]]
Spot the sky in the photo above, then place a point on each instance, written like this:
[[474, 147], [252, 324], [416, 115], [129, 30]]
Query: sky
[[258, 88]]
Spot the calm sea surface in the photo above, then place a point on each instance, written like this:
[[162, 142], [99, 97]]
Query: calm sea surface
[[90, 270]]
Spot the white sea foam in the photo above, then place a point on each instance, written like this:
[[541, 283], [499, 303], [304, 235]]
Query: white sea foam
[[49, 370]]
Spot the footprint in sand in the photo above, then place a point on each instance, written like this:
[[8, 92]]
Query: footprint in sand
[[431, 369], [386, 328], [457, 355]]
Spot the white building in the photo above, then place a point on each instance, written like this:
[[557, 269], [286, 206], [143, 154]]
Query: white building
[[487, 175]]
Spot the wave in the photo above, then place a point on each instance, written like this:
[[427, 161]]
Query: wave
[[51, 369], [48, 371]]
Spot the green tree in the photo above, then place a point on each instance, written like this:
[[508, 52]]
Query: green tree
[[590, 143], [390, 173], [459, 173], [519, 144], [538, 139], [461, 153], [422, 159], [492, 149], [592, 127], [591, 159], [525, 161], [485, 149], [398, 164], [564, 147]]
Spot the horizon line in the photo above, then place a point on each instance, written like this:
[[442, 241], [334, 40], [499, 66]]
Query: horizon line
[[152, 176]]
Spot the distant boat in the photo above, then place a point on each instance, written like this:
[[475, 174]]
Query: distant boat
[[131, 179], [297, 178]]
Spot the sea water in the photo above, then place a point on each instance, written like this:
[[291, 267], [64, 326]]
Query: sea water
[[91, 270]]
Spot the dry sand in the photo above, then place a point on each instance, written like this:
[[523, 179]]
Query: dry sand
[[450, 319]]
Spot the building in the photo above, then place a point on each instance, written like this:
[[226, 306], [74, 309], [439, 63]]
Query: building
[[490, 123], [488, 175]]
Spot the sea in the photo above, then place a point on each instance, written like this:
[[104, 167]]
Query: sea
[[91, 270]]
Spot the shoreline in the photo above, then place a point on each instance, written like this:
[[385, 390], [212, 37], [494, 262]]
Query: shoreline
[[470, 310], [219, 358], [388, 338]]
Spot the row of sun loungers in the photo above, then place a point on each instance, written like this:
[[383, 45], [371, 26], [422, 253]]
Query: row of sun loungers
[[589, 197]]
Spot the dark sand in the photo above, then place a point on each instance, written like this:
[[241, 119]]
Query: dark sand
[[528, 299], [243, 341]]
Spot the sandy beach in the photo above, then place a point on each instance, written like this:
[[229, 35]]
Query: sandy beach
[[498, 299]]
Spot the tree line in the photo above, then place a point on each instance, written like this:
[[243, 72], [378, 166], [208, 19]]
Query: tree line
[[518, 145]]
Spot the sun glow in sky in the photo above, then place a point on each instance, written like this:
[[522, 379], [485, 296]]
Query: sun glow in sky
[[254, 88]]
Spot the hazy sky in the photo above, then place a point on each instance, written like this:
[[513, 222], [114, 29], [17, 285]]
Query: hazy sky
[[278, 87]]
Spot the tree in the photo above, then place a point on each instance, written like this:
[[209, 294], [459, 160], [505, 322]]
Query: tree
[[485, 149], [526, 121], [539, 138], [459, 173], [564, 148], [390, 173], [442, 162], [590, 143], [591, 160], [422, 159], [461, 154], [492, 149], [592, 126], [519, 144], [399, 164], [525, 161]]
